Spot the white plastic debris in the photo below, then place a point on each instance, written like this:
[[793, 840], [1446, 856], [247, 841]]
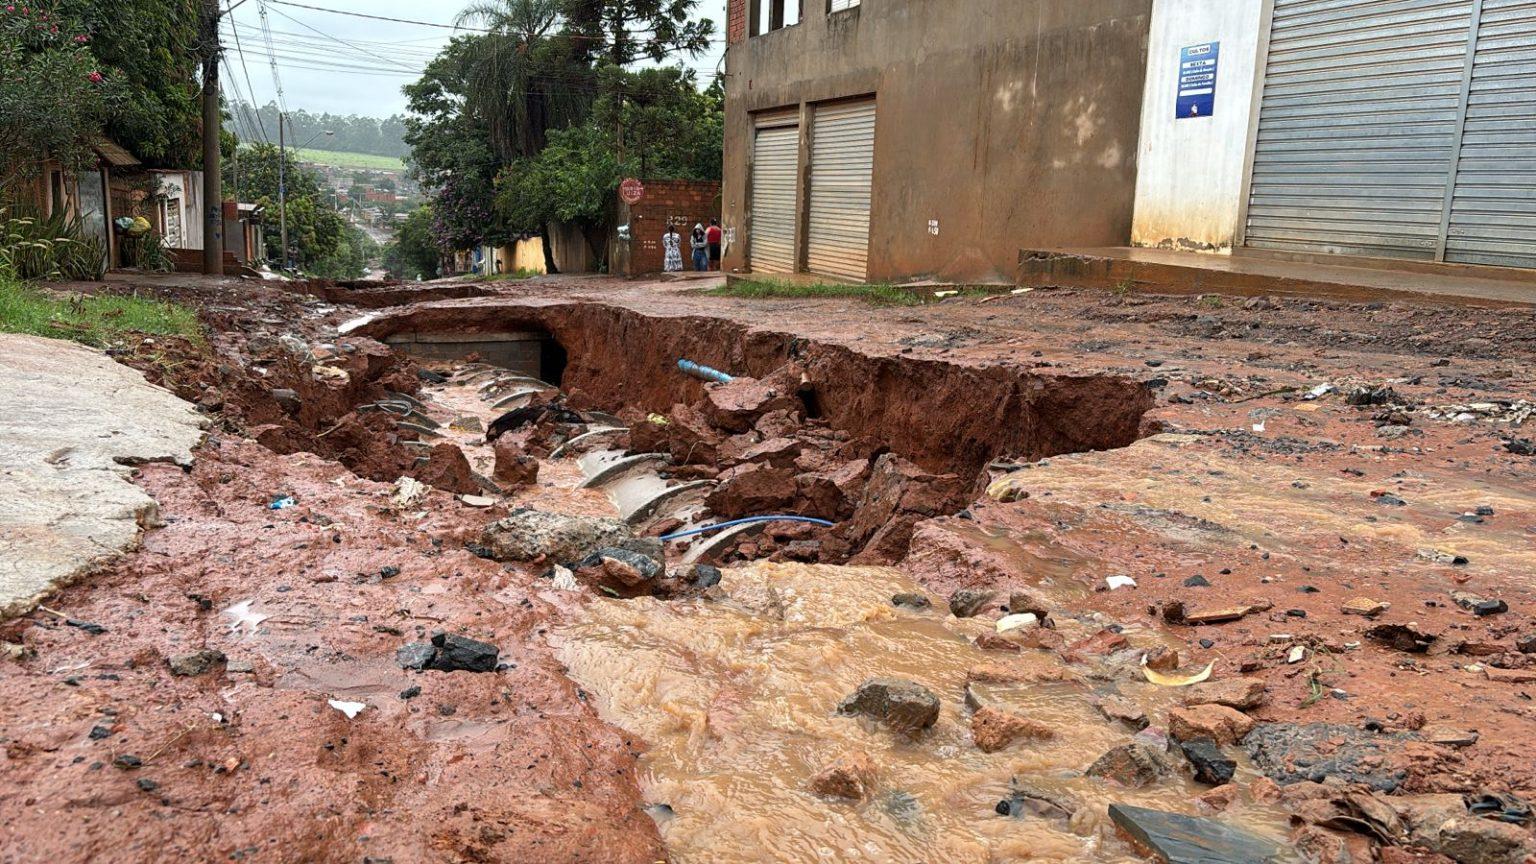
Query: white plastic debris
[[942, 294], [1018, 291], [351, 709], [244, 617], [565, 579], [1319, 392], [1258, 427], [1117, 582], [408, 493], [1016, 622]]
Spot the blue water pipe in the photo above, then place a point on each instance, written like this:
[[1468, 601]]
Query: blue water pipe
[[708, 374], [747, 521]]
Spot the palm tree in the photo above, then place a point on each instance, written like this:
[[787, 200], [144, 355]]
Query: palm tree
[[517, 81]]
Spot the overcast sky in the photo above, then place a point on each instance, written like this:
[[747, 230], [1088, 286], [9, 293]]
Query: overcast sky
[[378, 56]]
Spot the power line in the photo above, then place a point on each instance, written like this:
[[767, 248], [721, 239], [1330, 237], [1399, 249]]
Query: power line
[[335, 39], [459, 27], [246, 71], [266, 35]]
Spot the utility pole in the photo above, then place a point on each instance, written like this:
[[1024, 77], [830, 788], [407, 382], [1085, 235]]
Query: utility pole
[[282, 186], [213, 184]]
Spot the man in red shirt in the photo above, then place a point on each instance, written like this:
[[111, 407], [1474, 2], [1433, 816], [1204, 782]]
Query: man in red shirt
[[713, 235]]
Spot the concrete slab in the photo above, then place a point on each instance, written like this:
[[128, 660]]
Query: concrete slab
[[1165, 271], [72, 423]]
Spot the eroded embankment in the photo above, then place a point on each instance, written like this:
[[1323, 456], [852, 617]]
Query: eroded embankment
[[944, 416]]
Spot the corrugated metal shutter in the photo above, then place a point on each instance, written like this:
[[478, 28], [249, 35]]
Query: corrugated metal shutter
[[1357, 127], [842, 173], [775, 190], [1493, 215]]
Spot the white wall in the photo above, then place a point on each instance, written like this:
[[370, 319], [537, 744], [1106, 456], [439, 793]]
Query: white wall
[[1190, 171]]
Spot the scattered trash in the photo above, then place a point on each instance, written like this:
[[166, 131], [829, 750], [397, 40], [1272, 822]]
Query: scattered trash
[[1117, 582], [351, 709], [942, 294], [1016, 622], [1319, 392], [1258, 427], [282, 502], [243, 615], [1163, 680], [408, 493]]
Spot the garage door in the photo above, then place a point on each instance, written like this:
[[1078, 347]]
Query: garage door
[[1493, 217], [842, 171], [775, 164], [1399, 128], [1357, 128]]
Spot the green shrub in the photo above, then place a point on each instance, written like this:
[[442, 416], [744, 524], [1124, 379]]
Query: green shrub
[[48, 247]]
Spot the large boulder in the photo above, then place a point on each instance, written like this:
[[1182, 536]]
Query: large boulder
[[754, 490], [736, 406], [903, 706], [531, 535], [1292, 752]]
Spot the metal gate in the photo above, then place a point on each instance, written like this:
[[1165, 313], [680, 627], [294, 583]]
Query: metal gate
[[842, 174], [1493, 209], [775, 193], [1398, 128]]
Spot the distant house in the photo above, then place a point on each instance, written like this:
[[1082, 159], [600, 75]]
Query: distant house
[[81, 194]]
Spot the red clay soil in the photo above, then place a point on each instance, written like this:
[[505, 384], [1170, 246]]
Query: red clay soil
[[1284, 505], [510, 766]]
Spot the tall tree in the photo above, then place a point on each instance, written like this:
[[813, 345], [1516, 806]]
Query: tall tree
[[625, 31], [54, 95], [515, 80]]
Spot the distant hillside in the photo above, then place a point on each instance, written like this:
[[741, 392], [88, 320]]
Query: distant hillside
[[349, 134], [341, 159]]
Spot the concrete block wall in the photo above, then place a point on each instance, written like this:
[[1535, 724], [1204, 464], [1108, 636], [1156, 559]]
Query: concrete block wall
[[683, 202]]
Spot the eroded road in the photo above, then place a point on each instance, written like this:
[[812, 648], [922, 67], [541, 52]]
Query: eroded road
[[1354, 562]]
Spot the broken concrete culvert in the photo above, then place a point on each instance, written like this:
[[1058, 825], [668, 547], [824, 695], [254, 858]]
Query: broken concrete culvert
[[532, 643]]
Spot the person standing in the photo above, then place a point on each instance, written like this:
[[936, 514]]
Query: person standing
[[672, 245], [714, 235], [700, 247]]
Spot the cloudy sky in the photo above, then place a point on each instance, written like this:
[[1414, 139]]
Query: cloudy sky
[[346, 64]]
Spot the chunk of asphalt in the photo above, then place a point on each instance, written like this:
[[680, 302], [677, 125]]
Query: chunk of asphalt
[[1178, 839], [461, 654]]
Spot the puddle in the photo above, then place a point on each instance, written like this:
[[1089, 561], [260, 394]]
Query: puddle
[[736, 698]]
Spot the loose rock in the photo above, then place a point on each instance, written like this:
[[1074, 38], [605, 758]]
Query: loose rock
[[195, 663], [1217, 722], [994, 729], [514, 468], [1212, 766], [1244, 694], [1177, 839], [1131, 765], [903, 706], [912, 601], [527, 535], [969, 602], [852, 777]]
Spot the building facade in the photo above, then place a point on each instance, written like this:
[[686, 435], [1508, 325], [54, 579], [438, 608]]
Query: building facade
[[901, 139], [910, 139], [1401, 129]]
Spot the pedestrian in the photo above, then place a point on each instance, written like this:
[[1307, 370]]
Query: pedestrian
[[672, 243], [714, 235], [700, 246]]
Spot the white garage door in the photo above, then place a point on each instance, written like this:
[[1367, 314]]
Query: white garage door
[[842, 172], [775, 165]]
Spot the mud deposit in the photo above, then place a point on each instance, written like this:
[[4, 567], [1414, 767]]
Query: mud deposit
[[737, 694]]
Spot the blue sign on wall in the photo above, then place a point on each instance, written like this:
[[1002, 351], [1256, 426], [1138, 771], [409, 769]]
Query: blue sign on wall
[[1197, 80]]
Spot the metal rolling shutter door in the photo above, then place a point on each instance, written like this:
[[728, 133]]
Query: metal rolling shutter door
[[1357, 127], [842, 173], [775, 166], [1493, 214]]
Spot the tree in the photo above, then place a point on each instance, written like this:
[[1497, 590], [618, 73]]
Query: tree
[[152, 46], [415, 252], [624, 31], [54, 96], [315, 229]]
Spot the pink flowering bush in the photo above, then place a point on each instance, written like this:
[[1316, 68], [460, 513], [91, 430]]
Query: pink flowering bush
[[53, 97]]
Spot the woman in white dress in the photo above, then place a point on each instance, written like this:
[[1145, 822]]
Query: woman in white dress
[[672, 242]]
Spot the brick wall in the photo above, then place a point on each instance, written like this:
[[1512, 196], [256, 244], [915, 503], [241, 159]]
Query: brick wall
[[685, 203], [736, 21]]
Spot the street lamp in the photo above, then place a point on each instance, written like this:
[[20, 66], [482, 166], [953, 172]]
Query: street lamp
[[282, 179]]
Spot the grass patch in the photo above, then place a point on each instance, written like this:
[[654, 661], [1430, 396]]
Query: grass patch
[[92, 320], [347, 159], [878, 293]]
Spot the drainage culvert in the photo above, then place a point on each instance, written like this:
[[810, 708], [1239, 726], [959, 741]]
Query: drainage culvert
[[817, 432]]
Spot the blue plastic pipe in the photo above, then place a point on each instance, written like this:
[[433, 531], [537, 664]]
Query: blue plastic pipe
[[747, 521], [704, 372]]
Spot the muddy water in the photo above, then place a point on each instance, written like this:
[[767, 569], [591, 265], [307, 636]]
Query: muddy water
[[736, 697]]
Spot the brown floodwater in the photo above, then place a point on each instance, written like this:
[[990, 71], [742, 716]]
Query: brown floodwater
[[736, 696]]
